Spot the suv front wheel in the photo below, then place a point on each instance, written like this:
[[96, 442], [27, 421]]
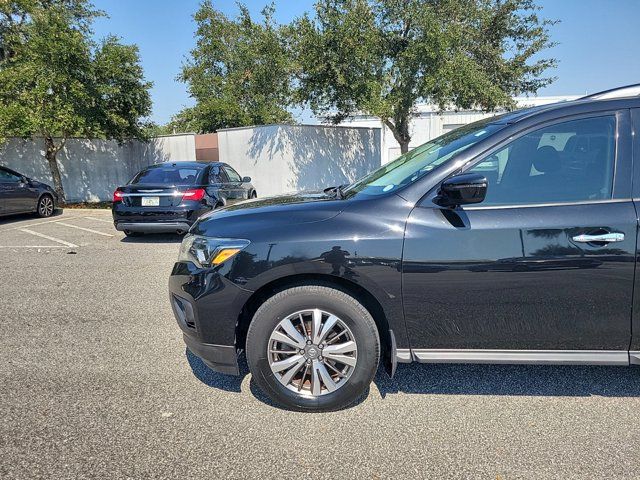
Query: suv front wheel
[[313, 348]]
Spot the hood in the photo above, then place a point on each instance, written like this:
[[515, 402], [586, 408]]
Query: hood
[[298, 208]]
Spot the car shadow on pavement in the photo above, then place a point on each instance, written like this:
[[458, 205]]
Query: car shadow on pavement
[[233, 383], [22, 217], [530, 380], [229, 383], [154, 238]]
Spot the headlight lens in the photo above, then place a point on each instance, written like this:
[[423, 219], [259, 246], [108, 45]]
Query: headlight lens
[[209, 252]]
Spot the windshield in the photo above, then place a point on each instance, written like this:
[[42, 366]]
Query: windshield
[[167, 175], [411, 166]]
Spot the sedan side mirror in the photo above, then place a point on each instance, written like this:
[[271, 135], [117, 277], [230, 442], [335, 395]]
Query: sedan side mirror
[[464, 189], [246, 179]]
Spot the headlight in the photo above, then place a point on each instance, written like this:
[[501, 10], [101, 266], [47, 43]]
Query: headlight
[[209, 252]]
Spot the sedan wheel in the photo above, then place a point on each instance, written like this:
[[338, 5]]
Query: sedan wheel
[[45, 206], [313, 348]]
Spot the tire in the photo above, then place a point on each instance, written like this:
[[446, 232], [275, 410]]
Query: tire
[[254, 194], [46, 206], [354, 380], [129, 233]]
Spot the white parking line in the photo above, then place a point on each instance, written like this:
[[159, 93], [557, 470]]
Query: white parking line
[[53, 239], [99, 219], [33, 224], [32, 246], [85, 229]]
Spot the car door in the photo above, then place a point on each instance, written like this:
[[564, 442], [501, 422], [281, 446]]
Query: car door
[[219, 182], [15, 195], [544, 264], [237, 191]]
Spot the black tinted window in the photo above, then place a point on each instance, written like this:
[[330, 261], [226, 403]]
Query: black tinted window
[[168, 175], [232, 174], [567, 162], [6, 177], [216, 175]]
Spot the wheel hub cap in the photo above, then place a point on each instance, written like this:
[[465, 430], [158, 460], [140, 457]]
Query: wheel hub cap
[[312, 352]]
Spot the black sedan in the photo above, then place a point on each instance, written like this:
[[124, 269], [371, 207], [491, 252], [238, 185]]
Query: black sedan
[[169, 197], [20, 194]]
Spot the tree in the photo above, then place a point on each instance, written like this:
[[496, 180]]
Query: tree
[[381, 57], [55, 83], [239, 72]]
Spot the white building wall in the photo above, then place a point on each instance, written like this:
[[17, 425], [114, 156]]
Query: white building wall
[[92, 169], [429, 123], [176, 148], [288, 158]]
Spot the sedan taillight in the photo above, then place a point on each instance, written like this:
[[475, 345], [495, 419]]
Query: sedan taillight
[[193, 194], [118, 195]]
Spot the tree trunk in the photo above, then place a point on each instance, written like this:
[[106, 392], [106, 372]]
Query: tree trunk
[[50, 153], [400, 131]]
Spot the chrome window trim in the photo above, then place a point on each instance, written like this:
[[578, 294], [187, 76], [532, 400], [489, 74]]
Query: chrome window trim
[[558, 204], [535, 357]]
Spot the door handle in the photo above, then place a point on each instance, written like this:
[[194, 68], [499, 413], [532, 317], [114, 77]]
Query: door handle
[[603, 237]]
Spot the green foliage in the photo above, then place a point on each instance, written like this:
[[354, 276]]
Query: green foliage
[[239, 72], [152, 130], [381, 57], [56, 83], [122, 93]]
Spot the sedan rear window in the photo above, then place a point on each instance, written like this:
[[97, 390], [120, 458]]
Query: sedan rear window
[[167, 175]]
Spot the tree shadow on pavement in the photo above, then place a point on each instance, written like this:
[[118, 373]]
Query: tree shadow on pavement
[[530, 380]]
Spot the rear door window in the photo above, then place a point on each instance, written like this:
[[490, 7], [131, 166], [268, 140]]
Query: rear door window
[[216, 175]]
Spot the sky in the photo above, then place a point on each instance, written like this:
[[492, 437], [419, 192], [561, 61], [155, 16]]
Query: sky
[[597, 49]]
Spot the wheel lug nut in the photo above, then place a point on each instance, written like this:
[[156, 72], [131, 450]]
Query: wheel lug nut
[[308, 342], [300, 351], [309, 361], [320, 358], [321, 345]]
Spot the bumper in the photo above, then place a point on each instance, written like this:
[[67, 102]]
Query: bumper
[[220, 358], [157, 219], [152, 227], [207, 307]]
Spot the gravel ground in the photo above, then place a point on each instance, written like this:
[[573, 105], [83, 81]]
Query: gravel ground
[[96, 382]]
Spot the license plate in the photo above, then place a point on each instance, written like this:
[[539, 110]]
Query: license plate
[[150, 201]]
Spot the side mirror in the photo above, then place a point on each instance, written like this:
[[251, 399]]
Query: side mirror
[[464, 189], [246, 179], [24, 180]]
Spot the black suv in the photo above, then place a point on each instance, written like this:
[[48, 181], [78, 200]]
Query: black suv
[[510, 240], [169, 197]]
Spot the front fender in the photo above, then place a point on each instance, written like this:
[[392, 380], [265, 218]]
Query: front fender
[[354, 246]]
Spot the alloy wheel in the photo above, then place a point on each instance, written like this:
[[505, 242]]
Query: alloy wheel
[[45, 208], [312, 352]]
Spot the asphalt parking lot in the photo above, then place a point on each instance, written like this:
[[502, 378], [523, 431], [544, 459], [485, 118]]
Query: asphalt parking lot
[[96, 382]]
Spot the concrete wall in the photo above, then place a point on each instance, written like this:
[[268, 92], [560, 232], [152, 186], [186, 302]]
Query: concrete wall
[[287, 158], [92, 169]]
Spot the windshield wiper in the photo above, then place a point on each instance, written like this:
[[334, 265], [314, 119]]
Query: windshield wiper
[[337, 191]]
